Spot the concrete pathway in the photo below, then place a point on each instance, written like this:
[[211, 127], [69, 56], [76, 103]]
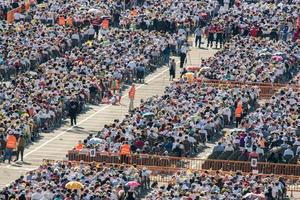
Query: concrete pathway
[[54, 145]]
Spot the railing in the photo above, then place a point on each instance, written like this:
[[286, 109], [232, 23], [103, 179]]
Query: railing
[[182, 163], [166, 174], [266, 89]]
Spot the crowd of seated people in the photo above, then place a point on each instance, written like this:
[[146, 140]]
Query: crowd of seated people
[[271, 133], [176, 123], [210, 185], [96, 182]]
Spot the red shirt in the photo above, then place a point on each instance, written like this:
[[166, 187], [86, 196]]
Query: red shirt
[[253, 32]]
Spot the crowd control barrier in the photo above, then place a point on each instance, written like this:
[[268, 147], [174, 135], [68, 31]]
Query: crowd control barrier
[[167, 175], [182, 163], [266, 89]]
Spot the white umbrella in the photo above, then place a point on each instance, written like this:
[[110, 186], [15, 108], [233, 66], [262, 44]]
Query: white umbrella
[[93, 10], [95, 141]]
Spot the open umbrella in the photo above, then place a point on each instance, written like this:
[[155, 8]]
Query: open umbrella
[[133, 184], [93, 10], [148, 114], [74, 185], [204, 69], [95, 141], [277, 58], [193, 68], [250, 196]]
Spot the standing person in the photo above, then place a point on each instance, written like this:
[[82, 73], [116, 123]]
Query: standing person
[[73, 109], [210, 37], [96, 25], [183, 52], [198, 35], [20, 147], [219, 38], [238, 114], [125, 151], [11, 143], [172, 70], [131, 95]]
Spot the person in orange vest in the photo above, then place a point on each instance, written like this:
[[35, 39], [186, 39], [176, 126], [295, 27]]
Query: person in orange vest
[[61, 20], [79, 146], [69, 21], [238, 114], [11, 144], [105, 24], [125, 151], [131, 95]]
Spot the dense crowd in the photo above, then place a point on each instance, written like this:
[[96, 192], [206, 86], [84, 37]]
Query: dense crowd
[[196, 186], [38, 35], [250, 59], [276, 21], [38, 100], [50, 182], [177, 122], [171, 16], [174, 124], [254, 54], [271, 133]]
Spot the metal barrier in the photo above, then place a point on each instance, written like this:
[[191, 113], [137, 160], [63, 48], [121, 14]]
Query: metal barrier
[[166, 174], [266, 89], [183, 163]]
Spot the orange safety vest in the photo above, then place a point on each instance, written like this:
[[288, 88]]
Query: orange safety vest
[[61, 21], [132, 92], [79, 147], [105, 24], [125, 149], [69, 21], [133, 13], [11, 142], [238, 111]]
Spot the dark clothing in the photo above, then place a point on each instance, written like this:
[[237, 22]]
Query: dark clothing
[[20, 151], [73, 109], [210, 39], [219, 39], [198, 41], [182, 59], [172, 70]]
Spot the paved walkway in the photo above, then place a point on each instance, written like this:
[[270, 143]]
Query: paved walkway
[[55, 145]]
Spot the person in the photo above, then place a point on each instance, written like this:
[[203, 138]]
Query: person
[[238, 115], [198, 35], [219, 38], [183, 72], [79, 146], [219, 148], [20, 147], [210, 37], [125, 151], [73, 109], [172, 69], [131, 97], [11, 143], [288, 154], [183, 52]]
